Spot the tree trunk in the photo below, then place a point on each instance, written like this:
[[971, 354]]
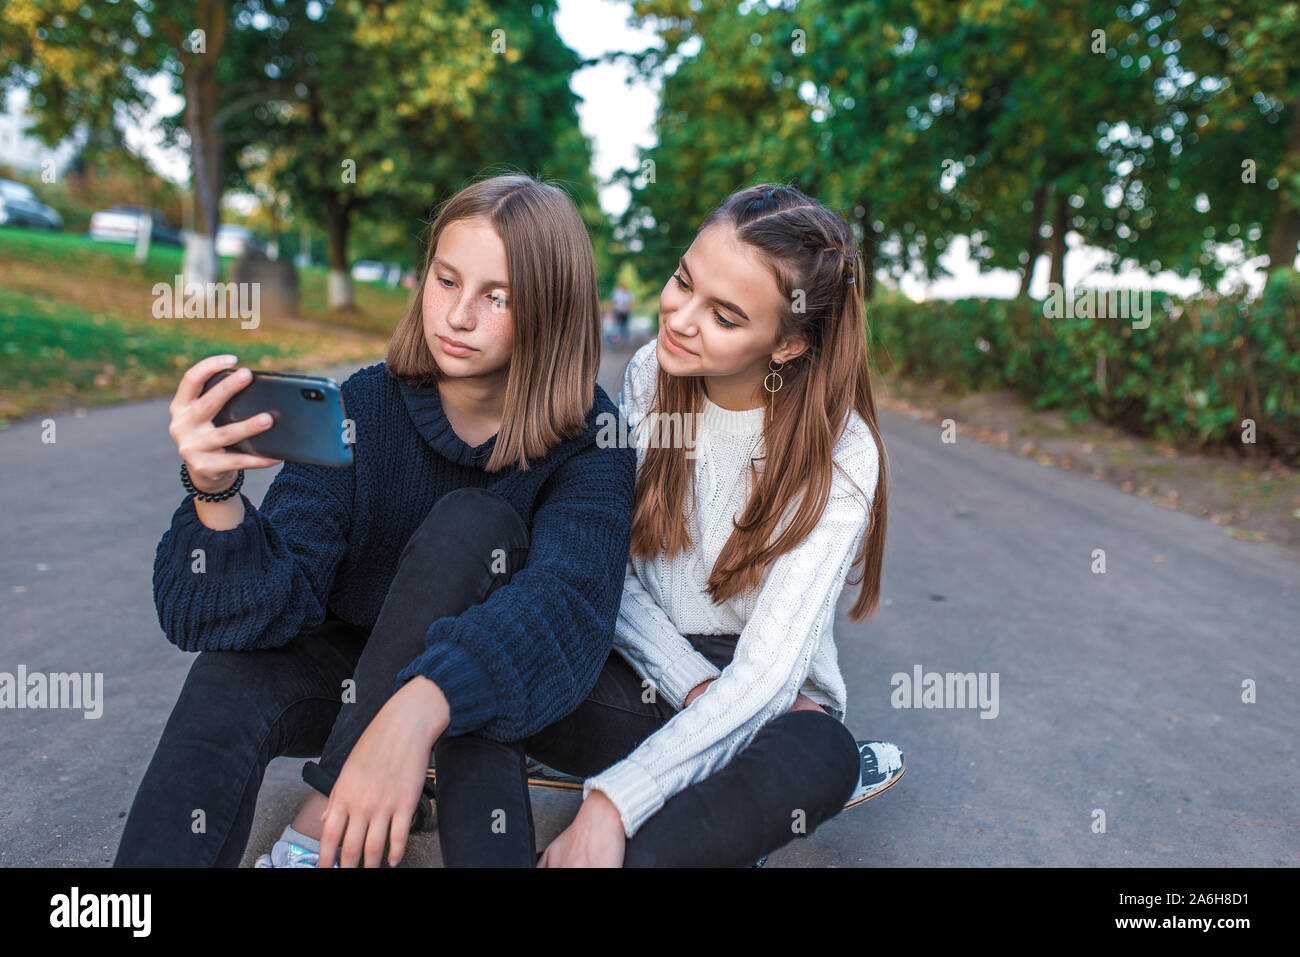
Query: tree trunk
[[1284, 238], [201, 103], [145, 223], [339, 212], [1034, 242], [303, 259], [870, 244], [200, 263], [1056, 247], [1285, 233]]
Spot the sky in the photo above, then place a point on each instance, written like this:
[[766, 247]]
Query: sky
[[617, 113]]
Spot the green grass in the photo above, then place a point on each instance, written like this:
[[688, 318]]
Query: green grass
[[73, 254], [76, 325], [74, 257], [380, 309], [1263, 488], [50, 351]]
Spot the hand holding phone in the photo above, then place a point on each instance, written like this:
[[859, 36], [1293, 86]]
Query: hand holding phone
[[203, 444], [309, 424]]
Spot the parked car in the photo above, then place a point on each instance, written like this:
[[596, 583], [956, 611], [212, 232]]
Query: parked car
[[20, 206], [370, 270], [121, 224], [233, 240]]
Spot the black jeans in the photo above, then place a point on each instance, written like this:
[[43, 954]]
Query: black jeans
[[796, 773], [239, 709]]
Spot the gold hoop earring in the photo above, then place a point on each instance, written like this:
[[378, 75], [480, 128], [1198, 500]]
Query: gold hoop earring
[[773, 375]]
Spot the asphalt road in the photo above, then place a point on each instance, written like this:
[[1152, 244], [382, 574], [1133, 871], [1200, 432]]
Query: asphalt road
[[1120, 694]]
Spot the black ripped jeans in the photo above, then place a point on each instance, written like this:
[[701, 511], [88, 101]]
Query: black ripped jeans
[[239, 709], [800, 760]]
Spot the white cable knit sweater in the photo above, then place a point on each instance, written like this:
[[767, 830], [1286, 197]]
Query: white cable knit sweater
[[785, 643]]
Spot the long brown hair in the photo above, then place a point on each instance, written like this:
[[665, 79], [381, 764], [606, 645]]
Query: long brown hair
[[814, 256], [554, 311]]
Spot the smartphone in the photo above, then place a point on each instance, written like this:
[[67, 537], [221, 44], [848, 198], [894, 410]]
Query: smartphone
[[310, 424]]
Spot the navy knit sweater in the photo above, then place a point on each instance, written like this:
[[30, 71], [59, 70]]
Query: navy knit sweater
[[332, 537]]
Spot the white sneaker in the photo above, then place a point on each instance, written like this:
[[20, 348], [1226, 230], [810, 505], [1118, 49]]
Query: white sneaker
[[882, 765], [292, 850], [287, 854]]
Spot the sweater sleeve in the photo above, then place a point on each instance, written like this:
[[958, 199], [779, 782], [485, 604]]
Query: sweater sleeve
[[531, 651], [771, 661], [259, 584], [655, 649], [644, 633]]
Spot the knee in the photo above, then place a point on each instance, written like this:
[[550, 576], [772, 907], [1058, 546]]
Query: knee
[[468, 519], [448, 751], [227, 692], [467, 765], [216, 675], [475, 511], [832, 755]]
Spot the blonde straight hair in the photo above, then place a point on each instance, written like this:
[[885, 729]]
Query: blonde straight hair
[[554, 306]]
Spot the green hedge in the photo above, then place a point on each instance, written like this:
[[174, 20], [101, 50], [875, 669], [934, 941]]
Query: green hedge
[[1191, 377]]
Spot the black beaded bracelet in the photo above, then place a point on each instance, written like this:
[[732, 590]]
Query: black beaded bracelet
[[209, 496]]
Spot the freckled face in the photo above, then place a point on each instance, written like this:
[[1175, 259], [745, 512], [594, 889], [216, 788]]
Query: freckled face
[[719, 314], [466, 305]]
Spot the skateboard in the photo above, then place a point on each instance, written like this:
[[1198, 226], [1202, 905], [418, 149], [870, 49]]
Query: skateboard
[[883, 764]]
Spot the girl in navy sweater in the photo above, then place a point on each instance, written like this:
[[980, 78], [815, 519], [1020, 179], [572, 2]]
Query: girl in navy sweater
[[455, 588]]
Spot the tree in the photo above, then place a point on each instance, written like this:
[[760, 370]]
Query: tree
[[728, 117], [83, 60], [449, 90], [1016, 94], [1227, 165]]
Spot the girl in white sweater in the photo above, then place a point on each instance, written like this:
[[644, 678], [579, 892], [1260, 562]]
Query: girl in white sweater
[[715, 731]]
